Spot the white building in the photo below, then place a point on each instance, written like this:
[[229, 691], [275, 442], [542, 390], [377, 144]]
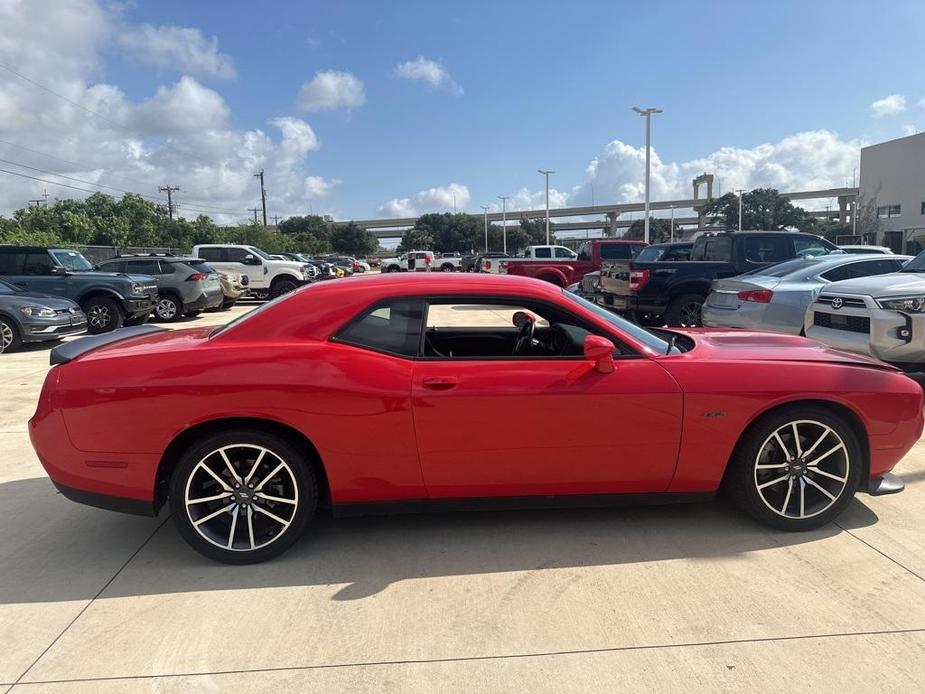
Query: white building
[[893, 174]]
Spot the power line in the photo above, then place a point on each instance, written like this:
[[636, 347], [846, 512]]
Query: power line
[[60, 96]]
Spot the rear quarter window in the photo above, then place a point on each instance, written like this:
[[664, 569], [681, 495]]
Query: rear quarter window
[[393, 327]]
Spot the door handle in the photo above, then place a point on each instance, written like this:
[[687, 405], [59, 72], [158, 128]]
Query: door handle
[[440, 383]]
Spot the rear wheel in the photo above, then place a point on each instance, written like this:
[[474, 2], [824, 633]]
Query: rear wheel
[[9, 335], [684, 311], [447, 267], [103, 314], [242, 497], [168, 309], [796, 469]]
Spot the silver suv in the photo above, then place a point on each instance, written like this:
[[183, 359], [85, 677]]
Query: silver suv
[[883, 316], [185, 286]]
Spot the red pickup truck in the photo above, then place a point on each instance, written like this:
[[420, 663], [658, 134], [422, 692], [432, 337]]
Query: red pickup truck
[[564, 272]]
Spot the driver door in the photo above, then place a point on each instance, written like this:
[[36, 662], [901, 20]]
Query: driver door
[[498, 425]]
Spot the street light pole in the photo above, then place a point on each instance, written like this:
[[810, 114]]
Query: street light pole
[[671, 236], [740, 192], [504, 199], [647, 113], [485, 208], [546, 173]]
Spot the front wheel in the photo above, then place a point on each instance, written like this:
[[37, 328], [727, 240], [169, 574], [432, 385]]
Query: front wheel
[[446, 267], [103, 314], [684, 311], [9, 336], [242, 497], [281, 287], [796, 469]]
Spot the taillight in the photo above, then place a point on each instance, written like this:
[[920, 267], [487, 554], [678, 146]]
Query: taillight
[[488, 265], [761, 296], [195, 277], [638, 279]]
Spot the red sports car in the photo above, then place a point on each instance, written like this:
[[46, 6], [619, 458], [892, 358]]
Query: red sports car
[[478, 390]]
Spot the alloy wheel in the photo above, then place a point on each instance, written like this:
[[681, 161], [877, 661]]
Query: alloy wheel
[[690, 315], [241, 497], [802, 469], [6, 336], [166, 309], [99, 316]]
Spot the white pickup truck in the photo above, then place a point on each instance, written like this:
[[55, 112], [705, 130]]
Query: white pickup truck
[[263, 276], [412, 261]]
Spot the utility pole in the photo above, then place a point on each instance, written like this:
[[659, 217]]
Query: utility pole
[[45, 195], [276, 219], [740, 192], [504, 199], [485, 208], [592, 195], [255, 210], [37, 202], [546, 173], [454, 203], [671, 236], [647, 114], [170, 190], [263, 197]]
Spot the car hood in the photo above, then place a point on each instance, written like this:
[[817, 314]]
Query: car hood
[[894, 284], [746, 345], [23, 299]]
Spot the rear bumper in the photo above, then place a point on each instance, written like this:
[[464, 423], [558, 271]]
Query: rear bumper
[[121, 504]]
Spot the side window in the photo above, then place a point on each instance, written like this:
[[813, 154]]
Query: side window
[[618, 251], [542, 253], [394, 327], [806, 245], [235, 255], [677, 254], [113, 266], [142, 267], [166, 268], [564, 253], [717, 249], [768, 249], [37, 264], [11, 263], [865, 268], [211, 254]]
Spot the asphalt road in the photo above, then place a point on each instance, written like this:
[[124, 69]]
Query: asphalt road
[[669, 599]]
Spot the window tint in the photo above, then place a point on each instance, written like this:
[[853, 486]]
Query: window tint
[[211, 254], [716, 249], [236, 255], [11, 263], [142, 267], [564, 253], [113, 266], [542, 253], [167, 268], [394, 327], [618, 251], [199, 266], [865, 268], [768, 249], [37, 264], [807, 245], [676, 254]]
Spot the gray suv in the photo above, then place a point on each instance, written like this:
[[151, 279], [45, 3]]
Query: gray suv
[[109, 300], [185, 286]]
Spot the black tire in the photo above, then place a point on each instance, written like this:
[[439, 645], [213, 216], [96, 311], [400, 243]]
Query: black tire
[[282, 286], [137, 320], [103, 314], [168, 308], [299, 475], [684, 311], [227, 304], [646, 320], [392, 268], [9, 335], [193, 314], [447, 267], [742, 479], [552, 279]]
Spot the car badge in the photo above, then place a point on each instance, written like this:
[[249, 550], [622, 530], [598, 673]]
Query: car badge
[[837, 302]]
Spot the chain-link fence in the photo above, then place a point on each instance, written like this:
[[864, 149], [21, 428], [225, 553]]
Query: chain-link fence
[[97, 254]]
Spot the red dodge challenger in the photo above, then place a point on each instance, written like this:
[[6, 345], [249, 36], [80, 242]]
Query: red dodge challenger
[[478, 391]]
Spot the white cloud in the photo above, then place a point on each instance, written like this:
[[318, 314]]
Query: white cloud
[[181, 134], [888, 105], [319, 187], [438, 199], [177, 48], [431, 72], [909, 129], [330, 89]]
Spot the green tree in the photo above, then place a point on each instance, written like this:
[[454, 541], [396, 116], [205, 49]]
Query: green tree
[[311, 233], [415, 239], [659, 230], [353, 240], [452, 232], [762, 209]]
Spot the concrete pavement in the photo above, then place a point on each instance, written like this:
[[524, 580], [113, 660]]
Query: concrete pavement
[[649, 599]]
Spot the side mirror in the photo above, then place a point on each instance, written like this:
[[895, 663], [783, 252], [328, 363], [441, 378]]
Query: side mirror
[[251, 260], [600, 350], [57, 270]]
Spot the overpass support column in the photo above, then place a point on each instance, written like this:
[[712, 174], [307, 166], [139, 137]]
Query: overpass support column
[[842, 209], [611, 230]]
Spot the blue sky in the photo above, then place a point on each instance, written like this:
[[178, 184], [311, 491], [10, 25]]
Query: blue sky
[[536, 85]]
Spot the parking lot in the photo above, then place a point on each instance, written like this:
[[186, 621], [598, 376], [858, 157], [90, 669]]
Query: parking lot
[[646, 599]]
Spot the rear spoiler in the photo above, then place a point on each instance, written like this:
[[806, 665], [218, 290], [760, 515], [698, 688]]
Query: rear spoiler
[[71, 350]]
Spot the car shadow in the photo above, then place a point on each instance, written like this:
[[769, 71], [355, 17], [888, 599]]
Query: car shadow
[[367, 554]]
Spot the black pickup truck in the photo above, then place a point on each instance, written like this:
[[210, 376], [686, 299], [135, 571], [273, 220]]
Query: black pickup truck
[[660, 292]]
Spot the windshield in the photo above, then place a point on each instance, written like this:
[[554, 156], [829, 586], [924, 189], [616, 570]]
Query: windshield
[[642, 335], [917, 264], [6, 288], [72, 260]]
